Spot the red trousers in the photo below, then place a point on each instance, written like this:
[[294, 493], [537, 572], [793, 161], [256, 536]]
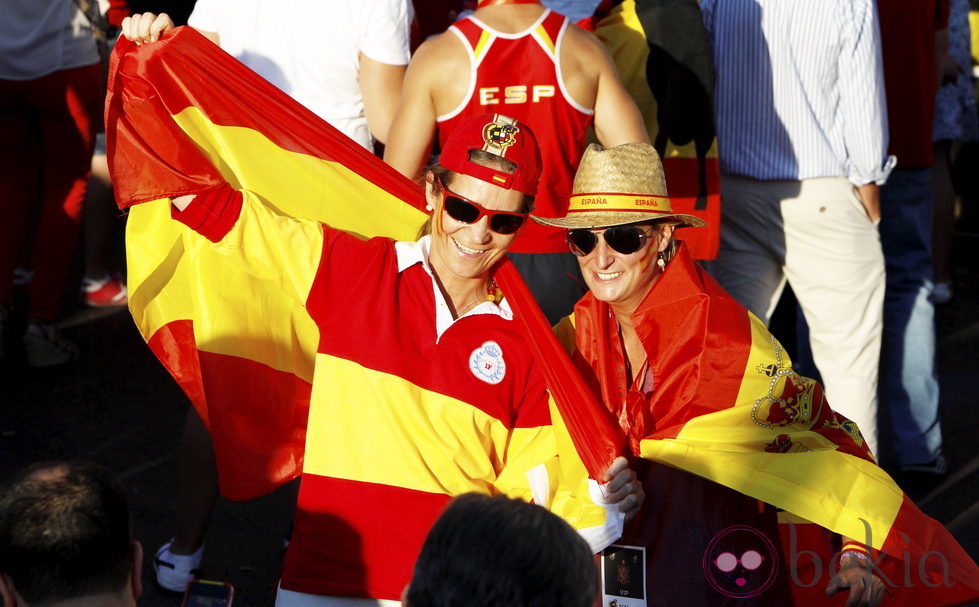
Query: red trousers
[[47, 134]]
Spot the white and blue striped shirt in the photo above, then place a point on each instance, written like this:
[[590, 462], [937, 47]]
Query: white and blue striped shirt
[[799, 90]]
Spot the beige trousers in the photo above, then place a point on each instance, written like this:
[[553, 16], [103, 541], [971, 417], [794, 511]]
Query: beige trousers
[[815, 234]]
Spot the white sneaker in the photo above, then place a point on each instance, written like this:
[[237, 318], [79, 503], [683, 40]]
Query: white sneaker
[[175, 571]]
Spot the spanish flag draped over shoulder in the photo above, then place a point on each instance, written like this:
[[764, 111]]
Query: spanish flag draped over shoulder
[[727, 406], [183, 116]]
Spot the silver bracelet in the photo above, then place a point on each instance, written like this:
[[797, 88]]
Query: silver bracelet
[[857, 553]]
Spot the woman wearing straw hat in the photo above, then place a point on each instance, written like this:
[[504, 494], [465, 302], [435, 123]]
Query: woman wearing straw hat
[[673, 357]]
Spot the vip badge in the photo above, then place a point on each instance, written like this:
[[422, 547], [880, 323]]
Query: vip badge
[[486, 363]]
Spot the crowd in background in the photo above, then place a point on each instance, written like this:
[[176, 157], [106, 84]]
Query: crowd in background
[[845, 172]]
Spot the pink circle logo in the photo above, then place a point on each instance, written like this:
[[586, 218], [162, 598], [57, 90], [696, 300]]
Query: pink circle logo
[[740, 562]]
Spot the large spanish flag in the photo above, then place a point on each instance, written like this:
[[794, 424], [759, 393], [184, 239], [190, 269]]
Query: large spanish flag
[[728, 407], [662, 53], [182, 117]]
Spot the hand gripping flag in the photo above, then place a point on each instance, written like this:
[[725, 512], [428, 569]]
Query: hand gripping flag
[[183, 117], [728, 407]]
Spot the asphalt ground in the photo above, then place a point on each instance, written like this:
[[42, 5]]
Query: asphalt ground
[[117, 406]]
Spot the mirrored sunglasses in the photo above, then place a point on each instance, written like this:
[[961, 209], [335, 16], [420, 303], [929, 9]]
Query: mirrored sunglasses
[[623, 239], [464, 210]]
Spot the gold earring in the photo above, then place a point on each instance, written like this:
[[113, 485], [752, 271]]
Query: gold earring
[[661, 262]]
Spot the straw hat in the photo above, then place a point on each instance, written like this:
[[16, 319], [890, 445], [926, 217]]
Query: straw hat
[[619, 185]]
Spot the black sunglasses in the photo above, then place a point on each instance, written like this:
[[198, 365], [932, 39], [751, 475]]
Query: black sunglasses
[[623, 239], [467, 211]]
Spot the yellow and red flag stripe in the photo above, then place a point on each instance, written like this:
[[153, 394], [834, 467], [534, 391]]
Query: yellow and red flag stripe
[[728, 407], [182, 117]]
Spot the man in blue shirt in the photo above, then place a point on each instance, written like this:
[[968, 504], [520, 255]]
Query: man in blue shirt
[[802, 139]]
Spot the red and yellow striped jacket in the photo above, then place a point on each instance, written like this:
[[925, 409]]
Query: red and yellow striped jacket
[[408, 407], [309, 349]]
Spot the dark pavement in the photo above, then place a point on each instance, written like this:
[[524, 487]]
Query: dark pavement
[[117, 406]]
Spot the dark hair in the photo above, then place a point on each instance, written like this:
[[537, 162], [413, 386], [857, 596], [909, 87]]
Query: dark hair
[[489, 551], [65, 532], [437, 171]]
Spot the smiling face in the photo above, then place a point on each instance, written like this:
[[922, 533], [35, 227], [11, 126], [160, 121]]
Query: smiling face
[[622, 280], [462, 251]]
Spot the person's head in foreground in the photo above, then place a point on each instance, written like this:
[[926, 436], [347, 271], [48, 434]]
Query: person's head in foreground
[[620, 223], [480, 194], [66, 538], [490, 551]]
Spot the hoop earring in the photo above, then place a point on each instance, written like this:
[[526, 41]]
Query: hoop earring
[[661, 262]]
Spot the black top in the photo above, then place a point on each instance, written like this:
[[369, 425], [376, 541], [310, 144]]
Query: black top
[[687, 523]]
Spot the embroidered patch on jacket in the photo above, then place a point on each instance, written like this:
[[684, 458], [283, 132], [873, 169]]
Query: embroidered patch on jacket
[[486, 362]]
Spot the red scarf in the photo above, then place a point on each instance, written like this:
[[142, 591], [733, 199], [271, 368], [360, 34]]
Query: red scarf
[[699, 341]]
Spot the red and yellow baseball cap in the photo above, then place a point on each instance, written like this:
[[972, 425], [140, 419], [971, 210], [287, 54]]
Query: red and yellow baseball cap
[[501, 135]]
